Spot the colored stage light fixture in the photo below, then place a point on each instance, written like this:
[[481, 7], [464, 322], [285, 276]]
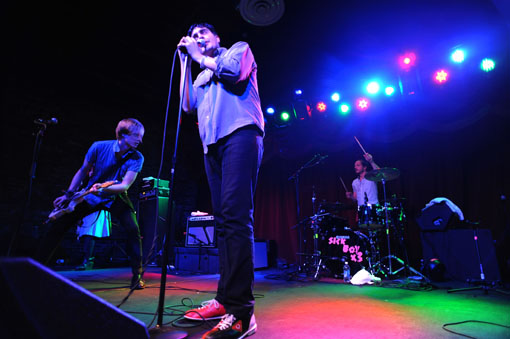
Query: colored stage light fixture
[[407, 60], [458, 56], [270, 110], [487, 65], [441, 76], [373, 87], [298, 92], [389, 90], [321, 106], [362, 104], [335, 97], [344, 109], [285, 116]]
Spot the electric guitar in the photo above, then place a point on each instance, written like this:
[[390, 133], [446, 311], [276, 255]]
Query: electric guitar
[[69, 205]]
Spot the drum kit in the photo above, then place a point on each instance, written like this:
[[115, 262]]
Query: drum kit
[[335, 242]]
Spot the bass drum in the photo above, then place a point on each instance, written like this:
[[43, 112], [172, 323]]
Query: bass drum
[[345, 245]]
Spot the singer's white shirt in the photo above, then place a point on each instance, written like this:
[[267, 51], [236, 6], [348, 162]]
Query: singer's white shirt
[[365, 186]]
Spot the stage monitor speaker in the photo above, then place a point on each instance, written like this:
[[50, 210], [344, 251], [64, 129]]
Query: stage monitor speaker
[[435, 217], [200, 232], [456, 249], [38, 303], [148, 209], [260, 255]]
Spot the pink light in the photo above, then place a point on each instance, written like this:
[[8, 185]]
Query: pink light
[[441, 76], [321, 106], [407, 60], [362, 104]]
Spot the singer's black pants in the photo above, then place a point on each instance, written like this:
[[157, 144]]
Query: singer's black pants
[[232, 166], [121, 210]]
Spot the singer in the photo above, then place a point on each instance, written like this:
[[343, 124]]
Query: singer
[[363, 191], [231, 125]]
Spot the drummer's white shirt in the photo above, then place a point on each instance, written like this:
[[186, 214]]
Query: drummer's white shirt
[[362, 186]]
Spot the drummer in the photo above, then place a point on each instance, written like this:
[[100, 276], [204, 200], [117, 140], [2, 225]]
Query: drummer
[[364, 191]]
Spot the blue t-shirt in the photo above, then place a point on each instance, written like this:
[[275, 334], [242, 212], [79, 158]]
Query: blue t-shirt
[[107, 167]]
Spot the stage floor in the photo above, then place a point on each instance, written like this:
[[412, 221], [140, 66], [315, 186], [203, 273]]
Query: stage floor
[[303, 308]]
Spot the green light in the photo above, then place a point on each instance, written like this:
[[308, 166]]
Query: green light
[[487, 65], [285, 116], [344, 109]]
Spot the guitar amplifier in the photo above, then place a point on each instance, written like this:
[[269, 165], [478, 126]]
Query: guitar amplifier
[[200, 232]]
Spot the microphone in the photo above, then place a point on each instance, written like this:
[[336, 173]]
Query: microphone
[[200, 43], [320, 158], [52, 121]]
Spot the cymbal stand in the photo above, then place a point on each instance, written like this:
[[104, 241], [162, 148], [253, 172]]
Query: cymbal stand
[[389, 257]]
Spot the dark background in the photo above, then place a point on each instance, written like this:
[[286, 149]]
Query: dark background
[[91, 64]]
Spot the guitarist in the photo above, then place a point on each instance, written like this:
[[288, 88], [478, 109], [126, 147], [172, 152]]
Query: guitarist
[[112, 160]]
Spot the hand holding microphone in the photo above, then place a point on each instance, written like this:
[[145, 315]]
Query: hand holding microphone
[[189, 46], [52, 121]]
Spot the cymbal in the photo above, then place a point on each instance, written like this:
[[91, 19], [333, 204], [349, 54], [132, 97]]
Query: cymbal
[[386, 174], [334, 206]]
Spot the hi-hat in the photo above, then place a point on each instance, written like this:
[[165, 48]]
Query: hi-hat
[[381, 174]]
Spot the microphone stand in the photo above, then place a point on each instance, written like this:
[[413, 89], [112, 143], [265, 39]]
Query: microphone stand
[[316, 159], [167, 247], [35, 155]]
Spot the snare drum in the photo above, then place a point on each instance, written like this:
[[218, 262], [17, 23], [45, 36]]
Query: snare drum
[[370, 216]]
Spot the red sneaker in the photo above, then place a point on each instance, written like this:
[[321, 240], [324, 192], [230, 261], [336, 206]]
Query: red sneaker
[[230, 327], [210, 309]]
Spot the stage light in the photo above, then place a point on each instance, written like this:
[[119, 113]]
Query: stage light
[[362, 104], [458, 56], [321, 106], [285, 116], [373, 87], [344, 109], [441, 76], [298, 92], [335, 97], [407, 60], [270, 110], [389, 91], [487, 65]]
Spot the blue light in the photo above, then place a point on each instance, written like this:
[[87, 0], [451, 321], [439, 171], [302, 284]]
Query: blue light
[[389, 90], [298, 92], [458, 56], [373, 87], [335, 97], [270, 110]]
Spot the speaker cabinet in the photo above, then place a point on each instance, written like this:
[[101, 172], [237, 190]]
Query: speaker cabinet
[[152, 232], [38, 303], [456, 249], [435, 217]]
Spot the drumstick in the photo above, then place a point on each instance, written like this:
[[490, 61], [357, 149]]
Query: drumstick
[[365, 152], [343, 184]]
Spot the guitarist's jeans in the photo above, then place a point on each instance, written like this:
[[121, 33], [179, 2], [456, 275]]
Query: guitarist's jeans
[[119, 209]]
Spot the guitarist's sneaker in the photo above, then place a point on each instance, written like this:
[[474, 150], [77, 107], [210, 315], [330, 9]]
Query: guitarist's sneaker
[[137, 283], [87, 264], [231, 327], [209, 310]]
